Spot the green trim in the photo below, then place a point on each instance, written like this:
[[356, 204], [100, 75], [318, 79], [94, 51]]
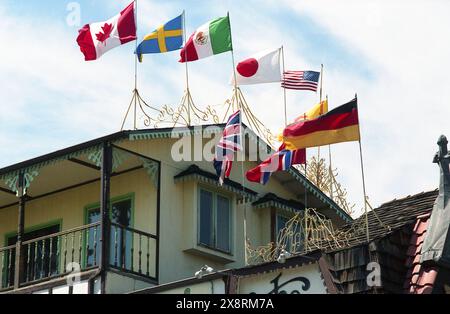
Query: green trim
[[96, 205]]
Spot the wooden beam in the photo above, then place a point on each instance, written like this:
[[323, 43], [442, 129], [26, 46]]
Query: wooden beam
[[7, 191], [19, 264], [105, 180], [83, 163]]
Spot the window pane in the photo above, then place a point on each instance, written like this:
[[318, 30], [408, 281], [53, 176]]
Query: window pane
[[121, 240], [223, 223], [206, 218], [121, 212], [281, 223]]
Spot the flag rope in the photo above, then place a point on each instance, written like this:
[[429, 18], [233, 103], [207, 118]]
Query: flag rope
[[363, 180]]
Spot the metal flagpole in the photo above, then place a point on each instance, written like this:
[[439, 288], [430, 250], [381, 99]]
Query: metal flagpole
[[186, 69], [330, 168], [363, 181], [135, 66], [134, 99], [242, 144], [284, 89], [320, 102]]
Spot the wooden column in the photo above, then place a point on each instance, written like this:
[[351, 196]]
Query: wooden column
[[19, 268], [106, 170]]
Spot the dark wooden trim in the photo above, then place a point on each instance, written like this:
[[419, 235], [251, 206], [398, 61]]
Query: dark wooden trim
[[146, 234], [83, 163], [9, 205], [158, 222], [7, 191], [104, 210], [231, 284], [132, 274], [327, 277], [65, 151], [134, 153], [19, 261]]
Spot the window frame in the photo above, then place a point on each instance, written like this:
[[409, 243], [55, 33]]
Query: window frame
[[96, 205], [215, 194]]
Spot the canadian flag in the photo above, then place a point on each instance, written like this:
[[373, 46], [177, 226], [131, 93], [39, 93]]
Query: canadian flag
[[97, 38], [263, 67]]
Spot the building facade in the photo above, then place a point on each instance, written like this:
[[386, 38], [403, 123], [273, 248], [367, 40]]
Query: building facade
[[125, 212]]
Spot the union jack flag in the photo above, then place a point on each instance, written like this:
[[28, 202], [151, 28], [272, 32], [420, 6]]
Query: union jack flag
[[229, 143], [281, 160]]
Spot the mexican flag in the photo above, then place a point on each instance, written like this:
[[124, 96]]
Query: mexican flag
[[209, 39]]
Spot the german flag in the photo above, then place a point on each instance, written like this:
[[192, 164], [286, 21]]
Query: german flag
[[338, 125]]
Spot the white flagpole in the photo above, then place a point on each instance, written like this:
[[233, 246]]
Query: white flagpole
[[186, 70], [320, 101], [242, 144], [284, 90], [135, 65]]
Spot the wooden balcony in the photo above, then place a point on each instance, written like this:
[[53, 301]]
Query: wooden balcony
[[79, 250]]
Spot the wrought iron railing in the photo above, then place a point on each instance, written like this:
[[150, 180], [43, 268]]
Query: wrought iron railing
[[133, 250]]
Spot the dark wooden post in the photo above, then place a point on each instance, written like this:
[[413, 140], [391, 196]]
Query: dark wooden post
[[106, 170], [19, 258]]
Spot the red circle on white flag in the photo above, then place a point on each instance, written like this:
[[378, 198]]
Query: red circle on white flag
[[247, 67]]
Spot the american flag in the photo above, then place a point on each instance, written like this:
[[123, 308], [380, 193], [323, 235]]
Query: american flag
[[229, 143], [303, 80]]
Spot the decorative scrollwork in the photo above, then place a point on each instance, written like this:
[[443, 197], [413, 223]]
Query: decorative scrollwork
[[185, 114], [304, 232]]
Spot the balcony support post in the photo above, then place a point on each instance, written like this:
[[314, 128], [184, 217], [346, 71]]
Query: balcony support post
[[106, 169], [19, 268]]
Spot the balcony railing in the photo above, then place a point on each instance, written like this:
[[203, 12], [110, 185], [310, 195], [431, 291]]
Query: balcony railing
[[7, 255], [52, 255], [133, 250], [59, 254]]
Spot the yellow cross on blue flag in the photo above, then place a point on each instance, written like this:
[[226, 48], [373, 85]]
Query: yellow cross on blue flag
[[167, 37]]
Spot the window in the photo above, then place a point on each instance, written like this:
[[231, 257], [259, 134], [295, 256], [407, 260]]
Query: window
[[214, 221], [120, 239]]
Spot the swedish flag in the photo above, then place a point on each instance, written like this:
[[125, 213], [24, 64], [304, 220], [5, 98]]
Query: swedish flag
[[167, 37]]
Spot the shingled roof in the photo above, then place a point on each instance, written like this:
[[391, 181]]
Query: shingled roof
[[390, 238], [395, 214]]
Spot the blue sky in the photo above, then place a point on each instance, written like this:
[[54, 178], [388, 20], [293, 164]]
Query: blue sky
[[51, 98]]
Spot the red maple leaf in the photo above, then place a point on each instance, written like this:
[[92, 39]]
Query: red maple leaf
[[107, 29]]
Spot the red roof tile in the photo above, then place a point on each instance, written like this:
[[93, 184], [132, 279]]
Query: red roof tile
[[419, 278]]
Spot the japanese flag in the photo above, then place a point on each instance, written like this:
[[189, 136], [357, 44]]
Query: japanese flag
[[263, 67]]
